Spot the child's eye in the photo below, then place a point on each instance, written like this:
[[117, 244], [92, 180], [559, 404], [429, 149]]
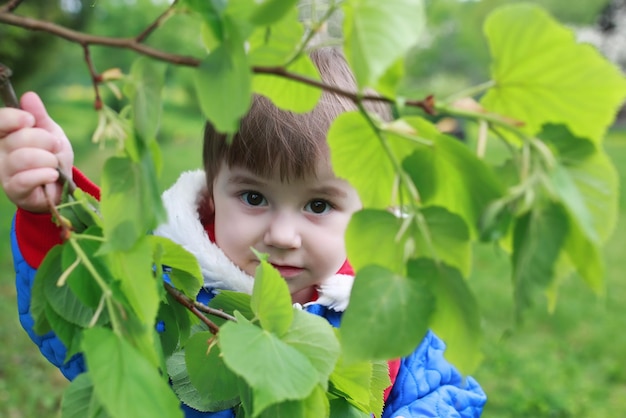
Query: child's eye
[[318, 206], [253, 199]]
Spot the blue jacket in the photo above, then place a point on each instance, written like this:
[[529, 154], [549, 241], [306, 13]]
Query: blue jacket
[[426, 385]]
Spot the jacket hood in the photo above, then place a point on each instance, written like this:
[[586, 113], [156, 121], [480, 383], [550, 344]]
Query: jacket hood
[[183, 227]]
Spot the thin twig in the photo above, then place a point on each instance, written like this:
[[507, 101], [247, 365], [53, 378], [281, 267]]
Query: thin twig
[[7, 94], [196, 308], [66, 227], [203, 308], [157, 23], [214, 312], [96, 78], [10, 6]]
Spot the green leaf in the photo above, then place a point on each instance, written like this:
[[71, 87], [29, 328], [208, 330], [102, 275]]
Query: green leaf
[[288, 94], [170, 335], [495, 222], [378, 33], [49, 268], [543, 75], [79, 400], [229, 302], [352, 380], [66, 331], [211, 12], [64, 302], [538, 239], [586, 256], [145, 84], [404, 302], [447, 174], [245, 408], [79, 279], [586, 181], [354, 145], [237, 24], [391, 79], [587, 184], [341, 408], [314, 406], [449, 236], [83, 211], [276, 372], [267, 12], [271, 300], [379, 382], [140, 335], [276, 45], [223, 85], [131, 203], [371, 238], [456, 318], [128, 382], [181, 383], [184, 318], [173, 255], [208, 374], [314, 337], [134, 270]]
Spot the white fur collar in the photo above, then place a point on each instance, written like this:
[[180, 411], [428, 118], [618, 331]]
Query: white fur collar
[[183, 227]]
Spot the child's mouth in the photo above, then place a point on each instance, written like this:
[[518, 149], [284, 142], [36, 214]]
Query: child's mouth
[[288, 271]]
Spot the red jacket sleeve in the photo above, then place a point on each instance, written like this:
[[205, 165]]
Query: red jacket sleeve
[[37, 234]]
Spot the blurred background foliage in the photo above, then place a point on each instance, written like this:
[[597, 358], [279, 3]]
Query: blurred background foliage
[[566, 364]]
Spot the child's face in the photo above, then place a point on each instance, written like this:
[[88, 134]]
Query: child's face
[[300, 224]]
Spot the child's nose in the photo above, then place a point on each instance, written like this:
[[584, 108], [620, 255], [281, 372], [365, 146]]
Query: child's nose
[[282, 232]]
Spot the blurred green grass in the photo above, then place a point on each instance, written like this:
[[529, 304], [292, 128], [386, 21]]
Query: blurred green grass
[[566, 364]]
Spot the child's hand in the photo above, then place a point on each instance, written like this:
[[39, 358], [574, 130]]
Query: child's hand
[[32, 146]]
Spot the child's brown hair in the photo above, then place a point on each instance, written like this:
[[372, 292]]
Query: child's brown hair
[[271, 140]]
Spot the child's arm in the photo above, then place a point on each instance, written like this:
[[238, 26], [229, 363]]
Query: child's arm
[[32, 147], [428, 386], [35, 233], [32, 236], [49, 344]]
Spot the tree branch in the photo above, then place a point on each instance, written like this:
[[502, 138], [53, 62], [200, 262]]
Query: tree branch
[[10, 6], [87, 39], [7, 94], [134, 44], [198, 308], [428, 104]]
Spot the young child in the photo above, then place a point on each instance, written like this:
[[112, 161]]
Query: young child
[[272, 189]]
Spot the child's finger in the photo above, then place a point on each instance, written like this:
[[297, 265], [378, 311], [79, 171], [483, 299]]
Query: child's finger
[[29, 158], [32, 103], [35, 138], [22, 188], [12, 120]]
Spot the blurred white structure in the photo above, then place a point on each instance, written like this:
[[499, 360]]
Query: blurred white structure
[[609, 36], [609, 33]]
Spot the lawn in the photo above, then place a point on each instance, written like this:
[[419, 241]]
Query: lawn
[[566, 364]]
